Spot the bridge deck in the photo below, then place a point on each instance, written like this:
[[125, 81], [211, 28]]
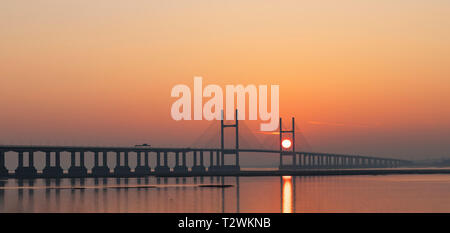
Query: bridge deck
[[35, 148]]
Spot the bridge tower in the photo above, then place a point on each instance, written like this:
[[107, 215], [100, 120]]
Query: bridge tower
[[224, 151], [288, 151]]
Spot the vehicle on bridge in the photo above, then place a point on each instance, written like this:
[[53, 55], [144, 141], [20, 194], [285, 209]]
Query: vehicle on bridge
[[143, 145]]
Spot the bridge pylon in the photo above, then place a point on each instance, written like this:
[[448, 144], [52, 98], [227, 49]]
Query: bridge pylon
[[288, 151], [224, 151]]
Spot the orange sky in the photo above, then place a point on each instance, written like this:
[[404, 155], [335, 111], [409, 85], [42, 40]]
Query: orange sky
[[369, 77]]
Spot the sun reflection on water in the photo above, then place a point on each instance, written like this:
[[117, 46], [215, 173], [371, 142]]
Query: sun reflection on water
[[287, 194]]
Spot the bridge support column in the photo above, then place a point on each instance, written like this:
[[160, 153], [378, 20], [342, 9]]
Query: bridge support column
[[26, 172], [211, 159], [180, 169], [222, 160], [218, 158], [77, 171], [47, 159], [118, 159], [122, 170], [52, 171], [97, 170], [72, 158], [198, 168], [142, 169], [304, 165], [96, 159], [31, 159], [212, 167], [158, 159], [294, 160], [281, 160], [166, 161], [138, 158], [126, 158], [20, 158], [3, 169], [194, 158], [201, 159], [82, 159], [146, 159], [162, 170]]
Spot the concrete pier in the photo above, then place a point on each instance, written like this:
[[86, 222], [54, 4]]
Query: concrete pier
[[26, 171], [50, 171], [142, 168], [3, 169], [80, 169], [214, 167], [180, 168], [198, 168], [102, 170], [161, 169], [122, 170]]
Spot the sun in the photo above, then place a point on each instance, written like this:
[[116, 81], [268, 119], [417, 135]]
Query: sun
[[286, 143]]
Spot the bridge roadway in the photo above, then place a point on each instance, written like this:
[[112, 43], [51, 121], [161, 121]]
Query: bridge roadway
[[300, 162]]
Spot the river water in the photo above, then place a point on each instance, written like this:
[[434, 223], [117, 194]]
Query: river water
[[386, 193]]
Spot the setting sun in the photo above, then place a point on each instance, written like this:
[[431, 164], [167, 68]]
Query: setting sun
[[286, 143]]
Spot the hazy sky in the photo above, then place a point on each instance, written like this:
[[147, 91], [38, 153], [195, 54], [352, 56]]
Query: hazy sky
[[368, 77]]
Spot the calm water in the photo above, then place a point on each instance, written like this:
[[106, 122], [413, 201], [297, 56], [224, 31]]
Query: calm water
[[390, 193]]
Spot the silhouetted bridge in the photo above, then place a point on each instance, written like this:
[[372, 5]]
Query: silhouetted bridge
[[216, 162], [53, 169]]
